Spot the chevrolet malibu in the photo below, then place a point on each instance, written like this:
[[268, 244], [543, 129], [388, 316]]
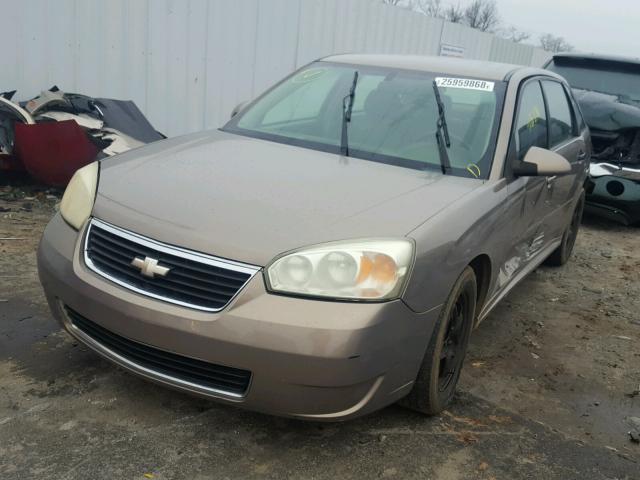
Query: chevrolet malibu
[[330, 249]]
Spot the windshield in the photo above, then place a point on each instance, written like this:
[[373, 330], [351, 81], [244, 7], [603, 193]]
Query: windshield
[[394, 117], [613, 78]]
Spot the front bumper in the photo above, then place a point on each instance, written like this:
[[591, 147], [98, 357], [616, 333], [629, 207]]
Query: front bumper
[[312, 359]]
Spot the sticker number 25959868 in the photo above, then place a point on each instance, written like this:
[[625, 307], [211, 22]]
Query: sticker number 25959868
[[468, 83]]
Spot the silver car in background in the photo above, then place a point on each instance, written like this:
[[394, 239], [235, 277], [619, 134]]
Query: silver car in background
[[329, 251]]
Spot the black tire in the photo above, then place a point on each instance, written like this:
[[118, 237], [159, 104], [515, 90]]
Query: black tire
[[561, 255], [439, 373]]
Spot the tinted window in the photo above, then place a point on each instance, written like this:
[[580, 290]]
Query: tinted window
[[616, 78], [577, 113], [560, 118], [531, 124]]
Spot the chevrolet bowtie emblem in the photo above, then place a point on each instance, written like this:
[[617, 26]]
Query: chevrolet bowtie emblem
[[149, 267]]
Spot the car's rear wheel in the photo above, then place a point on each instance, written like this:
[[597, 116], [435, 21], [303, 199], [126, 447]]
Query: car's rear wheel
[[440, 370], [561, 255]]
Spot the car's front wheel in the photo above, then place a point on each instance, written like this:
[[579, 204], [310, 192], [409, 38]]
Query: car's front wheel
[[561, 255], [440, 370]]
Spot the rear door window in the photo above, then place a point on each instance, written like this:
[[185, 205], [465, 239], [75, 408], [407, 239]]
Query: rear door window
[[560, 118], [531, 122], [577, 113]]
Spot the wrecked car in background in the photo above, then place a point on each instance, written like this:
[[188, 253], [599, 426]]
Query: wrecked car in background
[[56, 133], [608, 91]]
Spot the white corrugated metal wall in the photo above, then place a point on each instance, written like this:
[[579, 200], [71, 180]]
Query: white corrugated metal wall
[[187, 63]]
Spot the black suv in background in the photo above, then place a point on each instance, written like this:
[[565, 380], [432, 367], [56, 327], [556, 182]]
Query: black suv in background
[[608, 91]]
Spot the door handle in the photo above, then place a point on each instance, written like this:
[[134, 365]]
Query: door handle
[[550, 181], [582, 155]]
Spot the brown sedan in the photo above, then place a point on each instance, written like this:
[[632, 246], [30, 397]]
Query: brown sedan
[[329, 251]]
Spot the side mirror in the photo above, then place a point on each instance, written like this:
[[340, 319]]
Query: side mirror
[[238, 108], [539, 162]]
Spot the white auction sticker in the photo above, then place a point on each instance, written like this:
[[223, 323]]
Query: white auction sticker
[[468, 83]]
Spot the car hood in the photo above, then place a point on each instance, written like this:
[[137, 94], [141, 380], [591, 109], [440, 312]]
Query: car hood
[[607, 112], [250, 200]]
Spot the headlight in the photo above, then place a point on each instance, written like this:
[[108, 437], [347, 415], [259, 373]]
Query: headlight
[[77, 201], [358, 270]]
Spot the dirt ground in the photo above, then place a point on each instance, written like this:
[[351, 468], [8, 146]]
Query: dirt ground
[[549, 390]]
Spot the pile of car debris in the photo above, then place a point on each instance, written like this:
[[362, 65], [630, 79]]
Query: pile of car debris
[[55, 133]]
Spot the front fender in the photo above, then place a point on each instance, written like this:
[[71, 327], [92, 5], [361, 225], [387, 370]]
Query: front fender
[[451, 240]]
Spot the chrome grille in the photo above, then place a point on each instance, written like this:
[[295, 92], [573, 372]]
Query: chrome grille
[[194, 280]]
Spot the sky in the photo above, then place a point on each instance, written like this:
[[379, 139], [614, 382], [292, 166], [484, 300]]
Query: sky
[[600, 26]]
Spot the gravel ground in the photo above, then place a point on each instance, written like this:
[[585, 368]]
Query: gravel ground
[[547, 391]]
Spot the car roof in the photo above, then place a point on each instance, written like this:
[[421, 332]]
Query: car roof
[[596, 56], [451, 66]]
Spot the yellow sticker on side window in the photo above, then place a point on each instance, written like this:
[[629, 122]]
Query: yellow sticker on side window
[[466, 83], [534, 117]]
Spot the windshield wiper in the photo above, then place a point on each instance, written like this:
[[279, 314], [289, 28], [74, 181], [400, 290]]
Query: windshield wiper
[[442, 132], [347, 109]]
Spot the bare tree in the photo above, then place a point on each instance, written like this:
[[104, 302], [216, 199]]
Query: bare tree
[[430, 8], [554, 44], [479, 14], [514, 34], [482, 15], [454, 14]]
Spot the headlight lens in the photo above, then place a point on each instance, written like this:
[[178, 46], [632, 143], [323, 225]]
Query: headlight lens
[[360, 270], [77, 201]]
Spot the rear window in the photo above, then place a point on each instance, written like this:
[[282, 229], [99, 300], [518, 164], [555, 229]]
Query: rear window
[[614, 78]]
